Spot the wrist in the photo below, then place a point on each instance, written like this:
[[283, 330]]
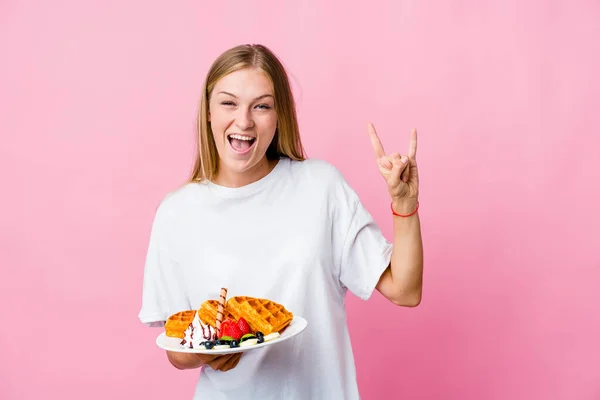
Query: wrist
[[405, 206]]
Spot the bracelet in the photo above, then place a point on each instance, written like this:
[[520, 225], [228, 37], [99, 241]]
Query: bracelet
[[404, 215]]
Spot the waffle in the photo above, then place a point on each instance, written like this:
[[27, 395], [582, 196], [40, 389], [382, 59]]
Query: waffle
[[262, 315], [176, 324], [208, 312]]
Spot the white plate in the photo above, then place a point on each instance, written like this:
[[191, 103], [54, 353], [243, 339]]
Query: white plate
[[295, 327]]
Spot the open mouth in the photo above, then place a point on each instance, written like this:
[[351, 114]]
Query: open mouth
[[241, 143]]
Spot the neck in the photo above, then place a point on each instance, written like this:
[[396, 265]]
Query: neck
[[234, 179]]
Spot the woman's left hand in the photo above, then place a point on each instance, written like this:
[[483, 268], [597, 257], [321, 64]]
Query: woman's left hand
[[399, 171]]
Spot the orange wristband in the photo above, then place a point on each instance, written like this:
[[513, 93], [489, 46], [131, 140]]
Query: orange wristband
[[404, 215]]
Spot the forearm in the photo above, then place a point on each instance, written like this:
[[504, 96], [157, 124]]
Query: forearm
[[406, 266]]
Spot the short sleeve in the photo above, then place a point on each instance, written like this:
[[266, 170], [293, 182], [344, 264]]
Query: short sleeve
[[364, 252], [163, 291]]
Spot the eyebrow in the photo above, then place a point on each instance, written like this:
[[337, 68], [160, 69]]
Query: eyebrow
[[258, 98]]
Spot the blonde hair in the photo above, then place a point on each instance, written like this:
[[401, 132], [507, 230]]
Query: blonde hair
[[286, 142]]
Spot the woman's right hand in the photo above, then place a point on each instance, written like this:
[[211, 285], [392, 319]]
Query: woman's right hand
[[191, 360]]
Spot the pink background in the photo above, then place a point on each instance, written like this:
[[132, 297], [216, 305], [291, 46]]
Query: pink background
[[97, 115]]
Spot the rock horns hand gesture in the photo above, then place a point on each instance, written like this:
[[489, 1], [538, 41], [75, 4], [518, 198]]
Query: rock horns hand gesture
[[399, 171]]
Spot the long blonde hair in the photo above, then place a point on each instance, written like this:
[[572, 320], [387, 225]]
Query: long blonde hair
[[286, 142]]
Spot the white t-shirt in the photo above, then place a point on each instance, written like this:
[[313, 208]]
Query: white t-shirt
[[299, 236]]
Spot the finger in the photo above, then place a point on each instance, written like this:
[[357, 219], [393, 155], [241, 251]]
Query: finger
[[412, 148], [396, 173], [406, 173], [404, 164], [386, 163], [402, 160], [218, 362], [231, 362], [394, 158], [414, 173], [375, 142], [236, 360]]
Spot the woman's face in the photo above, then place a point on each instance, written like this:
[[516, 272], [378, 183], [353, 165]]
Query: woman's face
[[243, 121]]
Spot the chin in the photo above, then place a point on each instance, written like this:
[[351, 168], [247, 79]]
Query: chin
[[240, 165]]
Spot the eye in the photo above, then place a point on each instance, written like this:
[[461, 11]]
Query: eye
[[264, 106], [228, 103]]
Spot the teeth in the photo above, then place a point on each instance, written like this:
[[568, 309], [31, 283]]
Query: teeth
[[240, 137]]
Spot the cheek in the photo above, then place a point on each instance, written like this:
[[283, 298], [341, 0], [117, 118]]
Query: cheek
[[269, 126], [218, 123], [215, 118]]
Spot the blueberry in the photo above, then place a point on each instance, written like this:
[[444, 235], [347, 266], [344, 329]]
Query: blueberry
[[208, 345], [234, 343], [260, 337], [222, 342]]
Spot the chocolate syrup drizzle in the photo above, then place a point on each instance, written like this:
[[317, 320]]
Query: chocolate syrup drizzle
[[205, 334]]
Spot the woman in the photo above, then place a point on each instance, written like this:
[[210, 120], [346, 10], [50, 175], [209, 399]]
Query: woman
[[259, 218]]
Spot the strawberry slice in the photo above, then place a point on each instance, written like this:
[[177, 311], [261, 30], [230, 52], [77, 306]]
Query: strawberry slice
[[229, 328], [243, 325]]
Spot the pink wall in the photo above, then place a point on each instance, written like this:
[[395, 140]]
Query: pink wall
[[97, 113]]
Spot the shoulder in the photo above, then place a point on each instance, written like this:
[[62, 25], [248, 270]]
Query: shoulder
[[323, 177], [177, 202], [318, 170]]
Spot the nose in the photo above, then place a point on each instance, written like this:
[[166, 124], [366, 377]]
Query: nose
[[244, 119]]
